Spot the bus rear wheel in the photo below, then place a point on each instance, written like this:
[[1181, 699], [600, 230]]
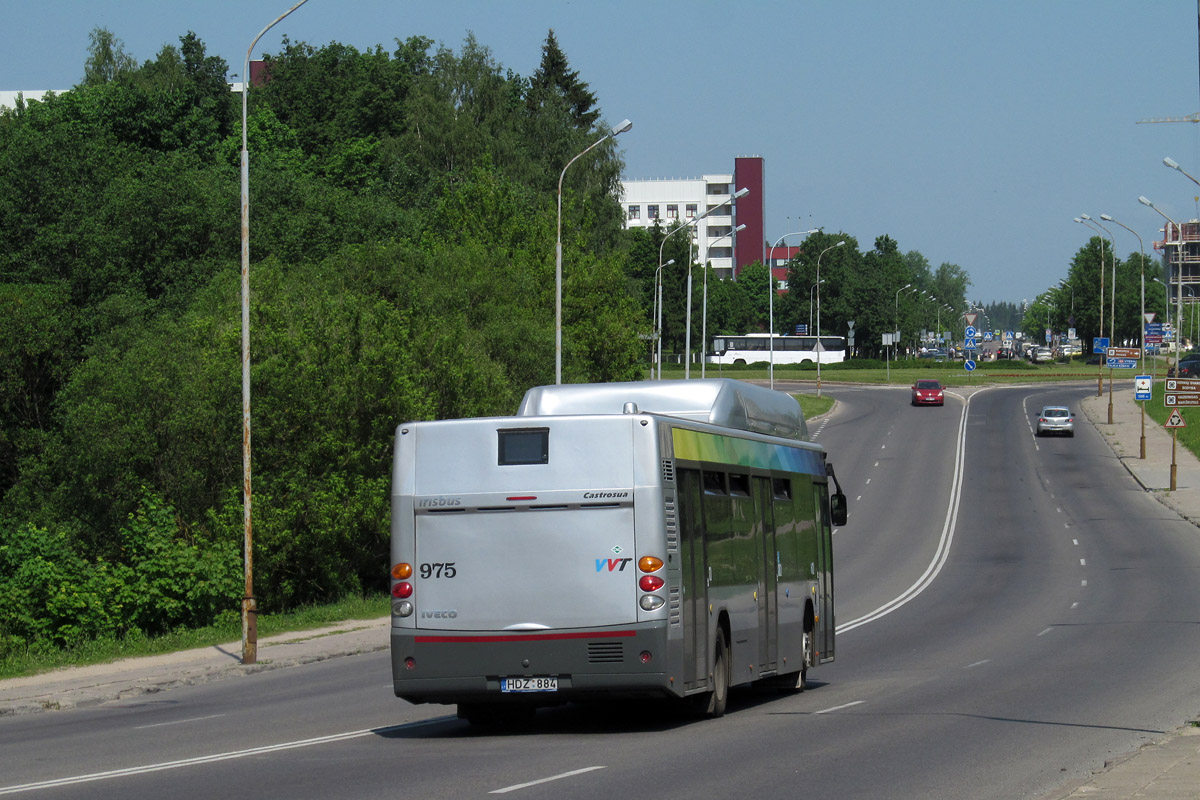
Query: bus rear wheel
[[713, 703]]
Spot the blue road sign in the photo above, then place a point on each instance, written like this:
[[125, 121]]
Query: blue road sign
[[970, 331], [1121, 363], [1099, 344], [969, 343], [969, 365], [1141, 387]]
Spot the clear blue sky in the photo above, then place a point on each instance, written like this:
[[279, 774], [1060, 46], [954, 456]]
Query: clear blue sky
[[973, 132]]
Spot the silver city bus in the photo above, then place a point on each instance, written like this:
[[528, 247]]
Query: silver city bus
[[629, 539]]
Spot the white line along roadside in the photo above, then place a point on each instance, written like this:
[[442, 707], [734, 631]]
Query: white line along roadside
[[947, 538]]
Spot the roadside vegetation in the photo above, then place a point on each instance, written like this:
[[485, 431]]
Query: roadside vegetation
[[402, 241]]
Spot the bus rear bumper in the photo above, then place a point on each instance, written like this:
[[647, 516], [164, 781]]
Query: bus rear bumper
[[456, 666]]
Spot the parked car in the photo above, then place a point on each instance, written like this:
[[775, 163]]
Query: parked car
[[1056, 419], [933, 354], [1189, 367], [1041, 355], [928, 393]]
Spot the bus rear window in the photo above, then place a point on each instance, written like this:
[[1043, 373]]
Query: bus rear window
[[524, 446]]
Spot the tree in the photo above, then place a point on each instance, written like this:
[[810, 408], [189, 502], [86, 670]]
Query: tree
[[107, 60], [555, 87]]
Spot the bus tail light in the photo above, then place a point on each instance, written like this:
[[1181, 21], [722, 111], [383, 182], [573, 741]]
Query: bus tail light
[[402, 590], [645, 657], [651, 602], [650, 583], [402, 571], [649, 564]]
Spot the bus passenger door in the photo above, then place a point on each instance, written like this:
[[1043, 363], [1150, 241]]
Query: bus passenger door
[[688, 499], [824, 609], [768, 612]]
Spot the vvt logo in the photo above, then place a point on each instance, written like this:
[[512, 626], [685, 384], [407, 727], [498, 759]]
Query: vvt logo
[[613, 564]]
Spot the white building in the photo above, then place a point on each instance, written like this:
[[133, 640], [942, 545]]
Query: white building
[[671, 201], [9, 99]]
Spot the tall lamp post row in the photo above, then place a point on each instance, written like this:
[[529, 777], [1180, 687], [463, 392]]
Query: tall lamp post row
[[658, 277], [704, 312], [616, 131], [771, 308]]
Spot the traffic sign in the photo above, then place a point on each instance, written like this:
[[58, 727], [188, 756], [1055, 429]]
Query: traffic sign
[[969, 365], [1123, 352], [970, 319], [1099, 344], [1120, 363], [970, 331], [969, 343], [1182, 384], [1142, 387], [1175, 420], [1171, 400]]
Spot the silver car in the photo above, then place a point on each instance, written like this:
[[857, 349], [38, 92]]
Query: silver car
[[1056, 419]]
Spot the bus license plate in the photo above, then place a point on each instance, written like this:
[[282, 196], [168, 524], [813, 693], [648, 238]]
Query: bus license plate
[[529, 684]]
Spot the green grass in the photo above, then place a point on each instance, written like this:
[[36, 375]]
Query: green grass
[[814, 406], [43, 659]]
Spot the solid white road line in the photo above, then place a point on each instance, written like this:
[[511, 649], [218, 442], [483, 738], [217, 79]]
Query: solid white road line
[[544, 780]]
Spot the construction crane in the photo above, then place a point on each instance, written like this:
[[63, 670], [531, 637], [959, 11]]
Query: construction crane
[[1189, 118]]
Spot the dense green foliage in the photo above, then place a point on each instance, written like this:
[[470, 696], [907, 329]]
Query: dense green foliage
[[403, 226], [402, 240]]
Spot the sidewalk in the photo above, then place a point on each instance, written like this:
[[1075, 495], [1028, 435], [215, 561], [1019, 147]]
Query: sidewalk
[[80, 687], [1168, 769]]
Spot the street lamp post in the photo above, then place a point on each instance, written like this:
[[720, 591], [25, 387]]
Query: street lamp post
[[1142, 319], [1112, 320], [704, 312], [819, 348], [685, 226], [249, 603], [1100, 313], [811, 289], [771, 310], [687, 356], [619, 129], [1178, 308], [897, 328], [658, 305]]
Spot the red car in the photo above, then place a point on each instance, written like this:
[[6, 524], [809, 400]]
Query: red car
[[928, 393]]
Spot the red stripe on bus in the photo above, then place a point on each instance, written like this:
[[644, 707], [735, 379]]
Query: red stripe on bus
[[536, 637]]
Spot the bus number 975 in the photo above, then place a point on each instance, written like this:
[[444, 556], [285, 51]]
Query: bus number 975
[[438, 570]]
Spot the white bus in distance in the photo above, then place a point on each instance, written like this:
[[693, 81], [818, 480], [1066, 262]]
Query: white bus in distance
[[754, 347], [626, 539]]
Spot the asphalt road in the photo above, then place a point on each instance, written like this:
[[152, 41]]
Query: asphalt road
[[1012, 611]]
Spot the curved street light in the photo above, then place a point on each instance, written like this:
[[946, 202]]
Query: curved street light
[[771, 302], [658, 307], [819, 348], [1084, 219], [249, 604], [810, 306], [1178, 288], [616, 131], [704, 305], [1178, 306], [1112, 319], [1141, 323]]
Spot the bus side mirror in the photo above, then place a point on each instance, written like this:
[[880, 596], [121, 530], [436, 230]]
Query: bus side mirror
[[837, 508]]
